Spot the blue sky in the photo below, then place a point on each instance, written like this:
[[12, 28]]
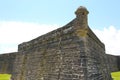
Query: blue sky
[[102, 12], [16, 15]]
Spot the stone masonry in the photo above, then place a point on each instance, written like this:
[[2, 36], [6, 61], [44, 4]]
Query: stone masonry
[[72, 52]]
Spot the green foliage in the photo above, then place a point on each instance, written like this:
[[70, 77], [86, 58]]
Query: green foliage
[[115, 75], [5, 76]]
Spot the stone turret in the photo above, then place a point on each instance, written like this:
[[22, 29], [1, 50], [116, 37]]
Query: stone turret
[[81, 22], [81, 16]]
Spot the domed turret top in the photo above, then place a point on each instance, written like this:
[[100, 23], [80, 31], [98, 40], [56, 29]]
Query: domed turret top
[[81, 9]]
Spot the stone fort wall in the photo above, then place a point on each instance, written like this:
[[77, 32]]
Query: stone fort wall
[[7, 62], [72, 52]]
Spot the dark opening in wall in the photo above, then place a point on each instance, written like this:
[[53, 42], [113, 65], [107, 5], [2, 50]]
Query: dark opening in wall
[[83, 13]]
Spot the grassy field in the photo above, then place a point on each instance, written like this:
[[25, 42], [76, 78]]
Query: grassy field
[[5, 76], [116, 75]]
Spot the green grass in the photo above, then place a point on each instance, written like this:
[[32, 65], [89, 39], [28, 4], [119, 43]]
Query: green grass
[[115, 75], [5, 76]]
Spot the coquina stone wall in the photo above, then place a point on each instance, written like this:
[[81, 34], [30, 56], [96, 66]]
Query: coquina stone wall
[[72, 52], [114, 63], [7, 63]]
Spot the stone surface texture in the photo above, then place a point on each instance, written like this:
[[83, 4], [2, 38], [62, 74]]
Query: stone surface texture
[[72, 52]]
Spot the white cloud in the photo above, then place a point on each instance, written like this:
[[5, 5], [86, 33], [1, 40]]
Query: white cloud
[[111, 38], [13, 33]]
